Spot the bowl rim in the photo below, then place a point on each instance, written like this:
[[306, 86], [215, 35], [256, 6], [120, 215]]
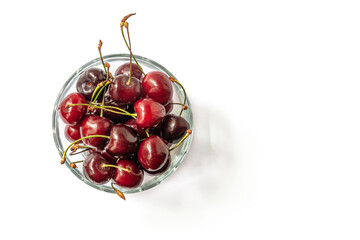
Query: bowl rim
[[159, 178]]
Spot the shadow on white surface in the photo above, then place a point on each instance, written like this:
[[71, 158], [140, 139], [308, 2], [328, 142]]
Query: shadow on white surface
[[209, 172]]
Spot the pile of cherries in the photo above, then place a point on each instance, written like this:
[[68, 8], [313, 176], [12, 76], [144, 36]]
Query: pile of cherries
[[123, 122]]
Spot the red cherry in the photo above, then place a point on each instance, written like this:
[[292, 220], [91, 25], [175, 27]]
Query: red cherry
[[72, 115], [132, 123], [173, 128], [163, 169], [123, 141], [125, 69], [93, 171], [95, 125], [149, 112], [124, 92], [156, 85], [153, 153], [129, 174], [115, 117], [72, 132], [88, 81]]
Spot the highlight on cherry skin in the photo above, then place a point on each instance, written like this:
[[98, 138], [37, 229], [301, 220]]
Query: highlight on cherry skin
[[123, 127]]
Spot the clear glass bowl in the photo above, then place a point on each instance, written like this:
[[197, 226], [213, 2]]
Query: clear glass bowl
[[115, 60]]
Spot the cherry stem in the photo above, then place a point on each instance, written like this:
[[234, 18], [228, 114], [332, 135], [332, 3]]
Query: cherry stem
[[73, 164], [114, 166], [185, 96], [107, 108], [127, 30], [103, 98], [122, 24], [80, 139], [101, 58], [188, 133], [147, 132], [119, 193], [84, 150]]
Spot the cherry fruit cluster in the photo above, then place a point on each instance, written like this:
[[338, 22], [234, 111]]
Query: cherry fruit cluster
[[123, 121]]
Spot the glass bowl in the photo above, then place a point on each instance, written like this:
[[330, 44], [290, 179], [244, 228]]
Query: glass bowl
[[58, 127]]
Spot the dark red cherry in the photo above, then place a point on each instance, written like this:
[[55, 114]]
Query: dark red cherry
[[149, 112], [132, 123], [164, 168], [72, 115], [105, 154], [131, 178], [72, 132], [94, 172], [173, 128], [169, 107], [125, 69], [153, 153], [115, 117], [88, 81], [123, 93], [124, 140], [95, 125], [156, 85]]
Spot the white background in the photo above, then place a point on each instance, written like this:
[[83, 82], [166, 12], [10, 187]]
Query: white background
[[274, 87]]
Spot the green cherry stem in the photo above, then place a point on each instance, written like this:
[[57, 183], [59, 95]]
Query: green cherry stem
[[107, 108], [185, 96], [128, 34], [114, 166], [73, 164], [80, 139], [147, 132], [122, 24], [101, 58], [188, 133]]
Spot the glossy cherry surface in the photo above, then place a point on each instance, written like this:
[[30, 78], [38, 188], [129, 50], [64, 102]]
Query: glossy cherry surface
[[115, 117], [156, 85], [72, 132], [131, 178], [88, 81], [173, 128], [149, 112], [94, 172], [125, 69], [123, 93], [72, 115], [132, 123], [163, 169], [95, 125], [153, 153], [124, 140]]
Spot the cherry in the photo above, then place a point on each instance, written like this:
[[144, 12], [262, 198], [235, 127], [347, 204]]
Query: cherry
[[88, 81], [72, 115], [95, 125], [173, 128], [72, 132], [169, 107], [153, 153], [123, 91], [141, 132], [149, 112], [156, 85], [93, 170], [125, 69], [163, 169], [115, 117], [128, 174], [123, 141], [106, 155]]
